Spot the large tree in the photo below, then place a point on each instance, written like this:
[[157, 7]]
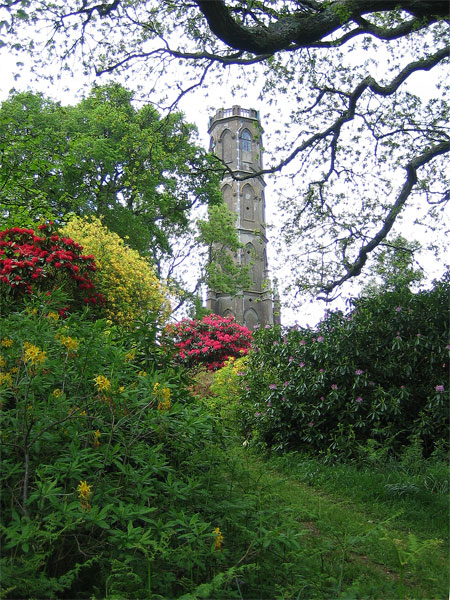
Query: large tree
[[359, 146], [141, 173], [144, 175]]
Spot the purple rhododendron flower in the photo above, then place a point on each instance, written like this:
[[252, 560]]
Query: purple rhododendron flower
[[302, 364], [273, 386], [302, 343], [334, 386], [286, 383], [291, 358], [398, 309], [439, 389], [257, 414], [358, 399], [320, 338], [269, 403], [310, 424], [359, 372]]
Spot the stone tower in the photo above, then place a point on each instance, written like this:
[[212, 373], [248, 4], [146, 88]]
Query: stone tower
[[236, 139]]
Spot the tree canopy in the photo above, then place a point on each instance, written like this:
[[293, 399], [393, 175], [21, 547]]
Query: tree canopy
[[143, 174], [360, 147]]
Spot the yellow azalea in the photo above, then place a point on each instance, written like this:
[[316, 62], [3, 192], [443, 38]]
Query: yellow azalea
[[127, 280], [130, 356], [5, 379], [53, 315], [34, 354], [2, 362], [219, 539], [57, 393], [102, 383], [164, 405], [70, 343], [121, 388], [142, 373], [84, 490], [97, 435], [6, 343]]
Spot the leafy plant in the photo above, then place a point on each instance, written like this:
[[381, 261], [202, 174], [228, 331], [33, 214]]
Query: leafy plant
[[127, 280], [208, 342], [371, 379], [45, 261]]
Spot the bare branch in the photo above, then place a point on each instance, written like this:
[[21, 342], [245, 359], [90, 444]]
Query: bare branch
[[411, 168]]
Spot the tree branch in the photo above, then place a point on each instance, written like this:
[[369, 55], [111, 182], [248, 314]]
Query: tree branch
[[411, 168]]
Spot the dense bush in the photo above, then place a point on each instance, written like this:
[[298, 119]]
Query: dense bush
[[208, 342], [44, 261], [127, 280], [376, 376], [103, 466]]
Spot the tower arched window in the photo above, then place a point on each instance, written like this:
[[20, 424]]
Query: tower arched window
[[248, 203], [227, 147], [227, 195], [246, 141]]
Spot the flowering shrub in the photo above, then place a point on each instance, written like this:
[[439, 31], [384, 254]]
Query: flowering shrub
[[45, 261], [91, 453], [126, 279], [209, 342], [376, 374]]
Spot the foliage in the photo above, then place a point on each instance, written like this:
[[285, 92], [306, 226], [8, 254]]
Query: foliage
[[116, 483], [141, 172], [343, 83], [126, 279], [99, 458], [375, 376], [45, 261], [221, 389], [208, 342]]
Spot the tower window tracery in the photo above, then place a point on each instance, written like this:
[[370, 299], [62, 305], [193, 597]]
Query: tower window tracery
[[246, 141]]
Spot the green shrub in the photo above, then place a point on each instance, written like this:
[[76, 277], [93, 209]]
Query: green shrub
[[376, 374], [103, 465]]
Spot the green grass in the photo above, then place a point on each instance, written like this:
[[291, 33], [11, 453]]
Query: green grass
[[329, 531]]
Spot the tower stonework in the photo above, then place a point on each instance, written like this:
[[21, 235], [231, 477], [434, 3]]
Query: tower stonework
[[236, 139]]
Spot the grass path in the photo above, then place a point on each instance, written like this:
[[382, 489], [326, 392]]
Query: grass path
[[349, 548]]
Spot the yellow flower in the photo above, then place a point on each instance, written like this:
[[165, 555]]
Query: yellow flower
[[2, 361], [5, 379], [164, 405], [84, 491], [121, 389], [102, 383], [163, 396], [70, 343], [130, 356], [219, 539], [34, 354], [97, 435], [53, 315], [142, 373], [57, 393], [6, 343]]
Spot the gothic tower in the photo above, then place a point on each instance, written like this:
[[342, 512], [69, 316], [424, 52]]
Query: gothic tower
[[236, 139]]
